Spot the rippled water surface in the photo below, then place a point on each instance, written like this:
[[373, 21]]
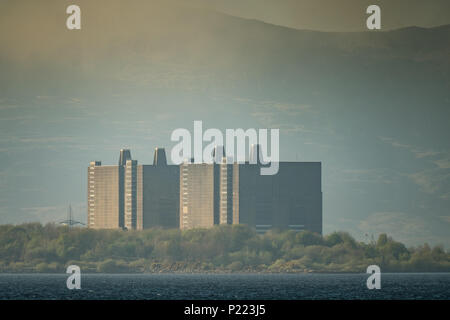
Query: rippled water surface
[[225, 286]]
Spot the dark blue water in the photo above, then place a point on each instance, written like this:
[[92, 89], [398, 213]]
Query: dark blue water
[[226, 286]]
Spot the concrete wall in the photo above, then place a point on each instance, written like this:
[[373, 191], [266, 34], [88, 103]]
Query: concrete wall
[[158, 195], [105, 184], [290, 199]]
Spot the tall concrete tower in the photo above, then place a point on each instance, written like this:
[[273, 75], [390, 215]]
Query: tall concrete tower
[[105, 196], [125, 155], [159, 158]]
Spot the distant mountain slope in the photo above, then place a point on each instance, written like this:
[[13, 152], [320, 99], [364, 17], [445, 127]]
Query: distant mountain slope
[[148, 35], [373, 107]]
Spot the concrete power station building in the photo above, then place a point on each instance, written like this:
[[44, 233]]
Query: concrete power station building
[[200, 195], [133, 196]]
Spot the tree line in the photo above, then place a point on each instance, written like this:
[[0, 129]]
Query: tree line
[[35, 247]]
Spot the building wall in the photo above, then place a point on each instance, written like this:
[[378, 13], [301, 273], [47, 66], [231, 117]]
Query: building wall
[[235, 194], [225, 193], [130, 194], [197, 195], [291, 199], [158, 195], [136, 196], [238, 194], [105, 196]]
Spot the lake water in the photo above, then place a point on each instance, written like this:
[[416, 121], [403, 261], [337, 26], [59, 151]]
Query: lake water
[[225, 286]]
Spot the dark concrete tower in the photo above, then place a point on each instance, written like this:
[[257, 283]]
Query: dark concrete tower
[[159, 159], [125, 155]]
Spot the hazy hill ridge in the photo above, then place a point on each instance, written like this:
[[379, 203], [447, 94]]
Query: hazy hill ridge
[[373, 107]]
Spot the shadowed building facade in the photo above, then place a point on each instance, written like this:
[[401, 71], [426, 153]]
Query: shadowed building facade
[[158, 193], [291, 199]]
